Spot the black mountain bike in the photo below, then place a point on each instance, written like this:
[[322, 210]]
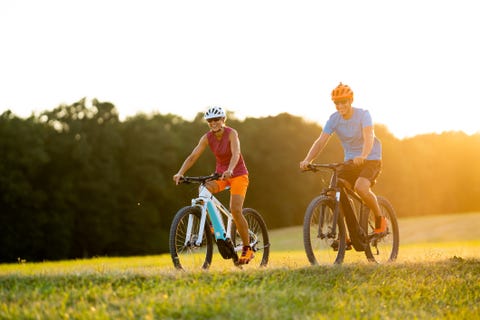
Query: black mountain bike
[[338, 219]]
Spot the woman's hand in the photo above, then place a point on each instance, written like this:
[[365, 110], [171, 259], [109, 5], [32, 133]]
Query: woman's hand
[[227, 174], [177, 178]]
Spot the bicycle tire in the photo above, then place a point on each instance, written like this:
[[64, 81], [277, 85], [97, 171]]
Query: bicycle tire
[[384, 249], [318, 222], [257, 229], [185, 255]]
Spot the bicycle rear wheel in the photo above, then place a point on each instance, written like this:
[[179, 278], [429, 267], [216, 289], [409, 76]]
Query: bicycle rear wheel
[[257, 229], [320, 247], [186, 255], [384, 248]]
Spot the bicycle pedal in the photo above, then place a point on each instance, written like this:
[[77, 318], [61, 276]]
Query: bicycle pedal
[[235, 258], [376, 236], [335, 245]]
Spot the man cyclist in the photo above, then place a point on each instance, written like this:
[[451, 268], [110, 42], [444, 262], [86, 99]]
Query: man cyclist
[[225, 144], [362, 150]]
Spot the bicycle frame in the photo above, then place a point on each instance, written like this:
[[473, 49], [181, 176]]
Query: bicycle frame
[[212, 207], [339, 219], [206, 221], [355, 220], [362, 213]]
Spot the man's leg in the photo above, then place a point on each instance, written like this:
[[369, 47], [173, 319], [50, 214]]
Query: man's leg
[[362, 187]]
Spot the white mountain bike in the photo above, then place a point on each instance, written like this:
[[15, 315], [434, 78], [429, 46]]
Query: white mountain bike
[[194, 229]]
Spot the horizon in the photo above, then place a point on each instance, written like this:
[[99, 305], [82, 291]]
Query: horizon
[[236, 116]]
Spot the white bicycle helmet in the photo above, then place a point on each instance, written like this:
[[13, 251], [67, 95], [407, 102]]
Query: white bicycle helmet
[[214, 112]]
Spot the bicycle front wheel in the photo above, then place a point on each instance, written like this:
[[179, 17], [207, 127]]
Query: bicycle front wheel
[[186, 253], [258, 233], [321, 246], [383, 248]]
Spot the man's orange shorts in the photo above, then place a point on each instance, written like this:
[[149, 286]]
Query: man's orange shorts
[[238, 185]]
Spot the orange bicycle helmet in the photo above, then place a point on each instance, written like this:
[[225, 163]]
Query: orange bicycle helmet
[[341, 92]]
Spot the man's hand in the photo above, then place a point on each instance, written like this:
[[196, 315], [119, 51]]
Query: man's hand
[[304, 165], [358, 161]]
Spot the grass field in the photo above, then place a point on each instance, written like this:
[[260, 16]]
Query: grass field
[[437, 276]]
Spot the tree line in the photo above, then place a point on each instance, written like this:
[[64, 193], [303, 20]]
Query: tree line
[[77, 182]]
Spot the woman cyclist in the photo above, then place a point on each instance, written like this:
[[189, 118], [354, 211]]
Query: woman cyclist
[[225, 145]]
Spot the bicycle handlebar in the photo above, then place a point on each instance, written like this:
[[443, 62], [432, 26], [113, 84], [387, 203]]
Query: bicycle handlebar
[[200, 179], [316, 166]]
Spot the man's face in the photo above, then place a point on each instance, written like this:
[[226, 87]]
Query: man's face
[[344, 106]]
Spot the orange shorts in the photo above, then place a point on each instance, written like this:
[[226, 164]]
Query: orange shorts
[[238, 185]]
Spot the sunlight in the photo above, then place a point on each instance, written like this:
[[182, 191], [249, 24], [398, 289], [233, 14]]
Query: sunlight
[[185, 68]]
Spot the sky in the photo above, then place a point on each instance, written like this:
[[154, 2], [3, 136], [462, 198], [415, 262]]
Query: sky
[[413, 64]]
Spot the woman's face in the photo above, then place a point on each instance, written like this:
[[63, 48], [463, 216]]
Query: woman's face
[[216, 124]]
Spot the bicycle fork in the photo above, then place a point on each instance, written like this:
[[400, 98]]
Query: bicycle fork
[[189, 237], [333, 231], [220, 233]]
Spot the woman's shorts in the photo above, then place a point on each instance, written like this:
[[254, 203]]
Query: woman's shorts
[[238, 185]]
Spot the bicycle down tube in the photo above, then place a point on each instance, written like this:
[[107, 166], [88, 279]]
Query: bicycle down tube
[[209, 205]]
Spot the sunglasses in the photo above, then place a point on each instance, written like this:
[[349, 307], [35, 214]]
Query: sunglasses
[[214, 119]]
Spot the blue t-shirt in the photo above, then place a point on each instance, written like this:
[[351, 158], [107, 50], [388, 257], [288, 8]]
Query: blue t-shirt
[[350, 133]]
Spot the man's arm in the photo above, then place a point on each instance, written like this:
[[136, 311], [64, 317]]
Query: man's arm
[[315, 149], [368, 138]]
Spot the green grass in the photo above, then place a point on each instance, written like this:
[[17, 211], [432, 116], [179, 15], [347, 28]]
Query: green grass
[[432, 279]]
